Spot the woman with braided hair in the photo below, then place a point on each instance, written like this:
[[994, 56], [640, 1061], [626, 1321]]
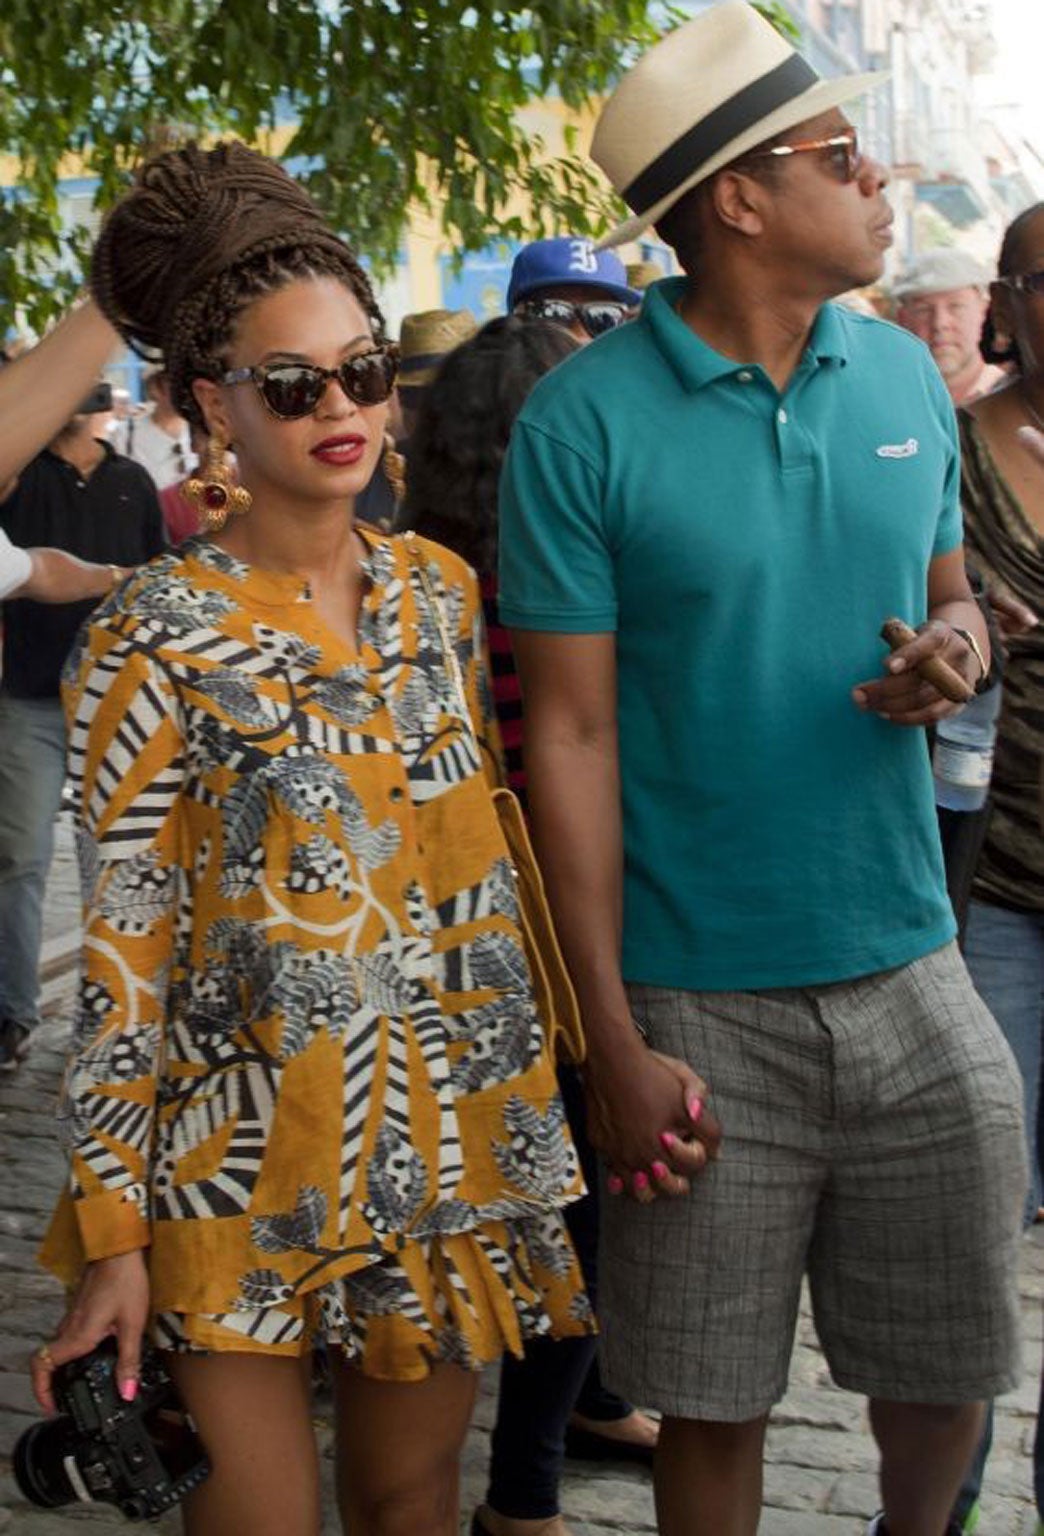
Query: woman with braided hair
[[308, 1095]]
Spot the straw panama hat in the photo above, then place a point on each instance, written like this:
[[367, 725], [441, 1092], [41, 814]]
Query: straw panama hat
[[424, 340], [717, 86]]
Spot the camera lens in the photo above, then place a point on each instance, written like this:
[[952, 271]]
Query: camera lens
[[40, 1463]]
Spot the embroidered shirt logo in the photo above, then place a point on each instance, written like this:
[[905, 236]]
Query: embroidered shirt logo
[[898, 450]]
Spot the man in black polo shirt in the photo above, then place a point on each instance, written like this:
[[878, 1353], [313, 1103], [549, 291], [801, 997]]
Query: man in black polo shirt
[[80, 496]]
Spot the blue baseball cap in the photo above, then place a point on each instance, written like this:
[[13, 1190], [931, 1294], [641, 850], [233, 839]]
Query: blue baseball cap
[[571, 262]]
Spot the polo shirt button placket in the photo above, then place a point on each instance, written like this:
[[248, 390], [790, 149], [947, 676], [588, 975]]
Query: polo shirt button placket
[[785, 440]]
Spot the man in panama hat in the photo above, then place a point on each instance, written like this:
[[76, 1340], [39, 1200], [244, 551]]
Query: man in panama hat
[[706, 518]]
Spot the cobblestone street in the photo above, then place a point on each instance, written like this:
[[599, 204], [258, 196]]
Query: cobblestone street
[[820, 1476]]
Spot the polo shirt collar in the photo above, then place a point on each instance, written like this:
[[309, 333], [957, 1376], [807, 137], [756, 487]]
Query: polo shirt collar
[[696, 364], [107, 457]]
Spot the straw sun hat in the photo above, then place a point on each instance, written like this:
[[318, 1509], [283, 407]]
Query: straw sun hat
[[718, 86], [424, 340]]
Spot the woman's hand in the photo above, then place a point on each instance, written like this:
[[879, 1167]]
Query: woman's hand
[[1013, 616], [647, 1119], [113, 1298]]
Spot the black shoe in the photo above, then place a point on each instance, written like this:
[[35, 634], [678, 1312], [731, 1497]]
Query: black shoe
[[14, 1045], [589, 1445]]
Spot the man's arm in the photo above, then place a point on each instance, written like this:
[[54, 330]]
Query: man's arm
[[61, 578], [636, 1098], [40, 390], [902, 695]]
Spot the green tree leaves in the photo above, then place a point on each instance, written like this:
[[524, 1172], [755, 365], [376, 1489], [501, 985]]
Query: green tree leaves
[[392, 103]]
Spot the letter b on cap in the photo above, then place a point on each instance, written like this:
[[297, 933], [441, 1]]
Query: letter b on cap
[[582, 256]]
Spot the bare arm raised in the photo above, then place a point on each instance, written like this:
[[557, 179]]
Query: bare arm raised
[[40, 390]]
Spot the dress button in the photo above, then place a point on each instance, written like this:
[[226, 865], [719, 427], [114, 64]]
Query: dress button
[[395, 793], [745, 376], [781, 417]]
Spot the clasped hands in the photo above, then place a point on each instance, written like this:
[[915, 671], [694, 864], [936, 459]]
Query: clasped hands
[[648, 1120]]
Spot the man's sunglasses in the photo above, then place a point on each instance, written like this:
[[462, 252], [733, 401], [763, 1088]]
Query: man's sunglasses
[[1025, 282], [842, 149], [597, 317], [293, 390]]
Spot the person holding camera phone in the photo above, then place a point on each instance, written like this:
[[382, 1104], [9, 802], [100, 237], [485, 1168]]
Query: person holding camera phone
[[309, 1095], [80, 497]]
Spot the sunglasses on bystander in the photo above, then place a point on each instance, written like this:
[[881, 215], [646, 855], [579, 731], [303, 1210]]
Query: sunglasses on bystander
[[596, 317], [1025, 282]]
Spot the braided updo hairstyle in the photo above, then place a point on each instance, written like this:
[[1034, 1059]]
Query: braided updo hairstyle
[[200, 235]]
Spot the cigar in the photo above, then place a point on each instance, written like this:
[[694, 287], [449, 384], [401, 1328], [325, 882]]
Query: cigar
[[934, 670]]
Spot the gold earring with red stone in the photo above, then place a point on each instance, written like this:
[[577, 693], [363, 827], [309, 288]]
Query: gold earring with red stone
[[213, 491], [394, 468]]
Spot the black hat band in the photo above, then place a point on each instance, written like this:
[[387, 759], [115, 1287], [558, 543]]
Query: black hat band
[[711, 134]]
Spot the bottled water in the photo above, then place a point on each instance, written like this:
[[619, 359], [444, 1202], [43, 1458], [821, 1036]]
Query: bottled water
[[962, 760]]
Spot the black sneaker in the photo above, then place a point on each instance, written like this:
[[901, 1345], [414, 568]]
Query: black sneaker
[[14, 1045]]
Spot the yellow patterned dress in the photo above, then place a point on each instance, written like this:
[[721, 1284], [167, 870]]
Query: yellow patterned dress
[[307, 1071]]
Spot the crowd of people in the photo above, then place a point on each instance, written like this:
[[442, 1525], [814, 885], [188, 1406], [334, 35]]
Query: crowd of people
[[627, 551]]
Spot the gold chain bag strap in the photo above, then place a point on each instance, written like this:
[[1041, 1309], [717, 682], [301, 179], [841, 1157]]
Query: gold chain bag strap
[[553, 992]]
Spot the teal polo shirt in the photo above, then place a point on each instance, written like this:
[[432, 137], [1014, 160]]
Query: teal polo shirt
[[745, 546]]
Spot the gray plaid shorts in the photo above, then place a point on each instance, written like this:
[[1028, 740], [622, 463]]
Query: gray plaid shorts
[[873, 1141]]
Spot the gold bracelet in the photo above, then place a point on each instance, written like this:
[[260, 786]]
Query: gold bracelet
[[975, 648], [116, 575]]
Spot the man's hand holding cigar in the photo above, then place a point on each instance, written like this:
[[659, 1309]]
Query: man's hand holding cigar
[[932, 672]]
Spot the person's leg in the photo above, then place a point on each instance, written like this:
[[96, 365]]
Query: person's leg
[[913, 1267], [971, 1487], [699, 1296], [32, 773], [1004, 952], [533, 1406], [398, 1450], [253, 1413], [708, 1477], [925, 1449]]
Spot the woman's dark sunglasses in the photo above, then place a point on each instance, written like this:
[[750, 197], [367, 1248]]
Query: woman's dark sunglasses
[[292, 390], [842, 149], [597, 317], [1025, 282]]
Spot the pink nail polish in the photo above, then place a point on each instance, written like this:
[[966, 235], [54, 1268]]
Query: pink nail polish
[[668, 1140], [660, 1170], [614, 1184], [641, 1180], [128, 1390], [695, 1108]]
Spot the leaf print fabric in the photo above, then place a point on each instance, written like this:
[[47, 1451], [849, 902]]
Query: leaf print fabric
[[307, 1071]]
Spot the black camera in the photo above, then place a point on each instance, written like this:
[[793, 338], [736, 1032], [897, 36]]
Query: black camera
[[99, 399], [142, 1456]]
